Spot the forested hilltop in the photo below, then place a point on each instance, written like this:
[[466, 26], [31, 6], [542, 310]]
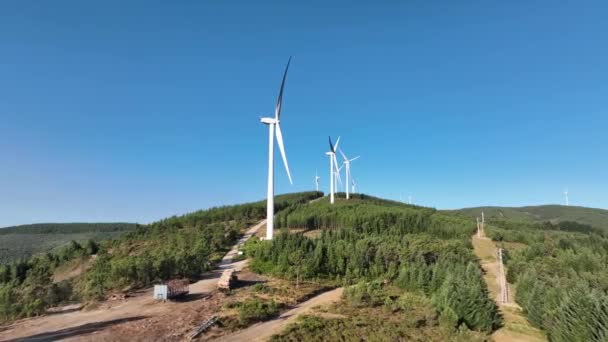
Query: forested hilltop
[[409, 272], [176, 247], [22, 242], [597, 218], [559, 271]]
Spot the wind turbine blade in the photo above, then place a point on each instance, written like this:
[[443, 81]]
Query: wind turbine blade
[[357, 157], [282, 149], [337, 143], [331, 146], [337, 169], [277, 113], [343, 155]]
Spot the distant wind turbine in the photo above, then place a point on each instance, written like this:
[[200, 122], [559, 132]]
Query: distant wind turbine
[[354, 186], [347, 171], [333, 164], [409, 199], [317, 180], [272, 124], [566, 197]]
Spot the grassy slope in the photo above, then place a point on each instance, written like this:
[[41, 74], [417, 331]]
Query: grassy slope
[[554, 213]]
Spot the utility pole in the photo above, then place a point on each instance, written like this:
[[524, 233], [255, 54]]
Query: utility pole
[[504, 291]]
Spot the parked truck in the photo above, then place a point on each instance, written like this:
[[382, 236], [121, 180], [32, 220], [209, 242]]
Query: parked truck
[[171, 289], [226, 280]]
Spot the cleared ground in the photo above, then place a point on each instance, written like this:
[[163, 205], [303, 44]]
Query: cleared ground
[[516, 326]]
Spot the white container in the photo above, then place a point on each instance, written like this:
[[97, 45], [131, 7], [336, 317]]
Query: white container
[[160, 292]]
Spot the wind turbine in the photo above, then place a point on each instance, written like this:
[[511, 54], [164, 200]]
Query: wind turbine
[[409, 199], [332, 163], [354, 186], [347, 164], [317, 180], [566, 196], [338, 179], [272, 124]]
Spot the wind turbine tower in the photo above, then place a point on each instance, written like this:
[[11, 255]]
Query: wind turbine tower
[[317, 181], [332, 164], [409, 199], [566, 197], [274, 126]]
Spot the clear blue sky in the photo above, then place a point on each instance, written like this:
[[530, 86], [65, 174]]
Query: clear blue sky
[[115, 112]]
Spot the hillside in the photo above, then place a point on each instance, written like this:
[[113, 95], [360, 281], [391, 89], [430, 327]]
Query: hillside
[[558, 271], [177, 247], [403, 272], [18, 242], [409, 272], [553, 213]]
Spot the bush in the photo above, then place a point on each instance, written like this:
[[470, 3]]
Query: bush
[[365, 294], [255, 310]]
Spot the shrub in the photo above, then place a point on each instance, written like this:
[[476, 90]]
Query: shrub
[[255, 310], [365, 294]]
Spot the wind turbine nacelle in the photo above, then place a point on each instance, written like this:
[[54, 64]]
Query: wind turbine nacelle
[[268, 121]]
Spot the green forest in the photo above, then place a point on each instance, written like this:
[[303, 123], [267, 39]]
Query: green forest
[[560, 272], [597, 218], [22, 242], [409, 272], [386, 250], [176, 247]]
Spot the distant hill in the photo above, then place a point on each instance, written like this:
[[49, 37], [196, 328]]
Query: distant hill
[[18, 242], [554, 213]]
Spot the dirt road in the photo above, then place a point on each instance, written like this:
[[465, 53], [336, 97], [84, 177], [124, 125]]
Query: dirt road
[[516, 327], [73, 326], [262, 331]]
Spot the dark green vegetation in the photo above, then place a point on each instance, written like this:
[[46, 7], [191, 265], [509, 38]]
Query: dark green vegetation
[[254, 310], [560, 272], [387, 250], [597, 218], [21, 242], [176, 247]]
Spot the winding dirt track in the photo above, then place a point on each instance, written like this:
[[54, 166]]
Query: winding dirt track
[[75, 325], [262, 331]]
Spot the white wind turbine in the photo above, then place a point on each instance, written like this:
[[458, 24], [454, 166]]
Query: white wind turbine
[[333, 164], [317, 180], [354, 186], [337, 175], [566, 197], [347, 164], [272, 124]]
